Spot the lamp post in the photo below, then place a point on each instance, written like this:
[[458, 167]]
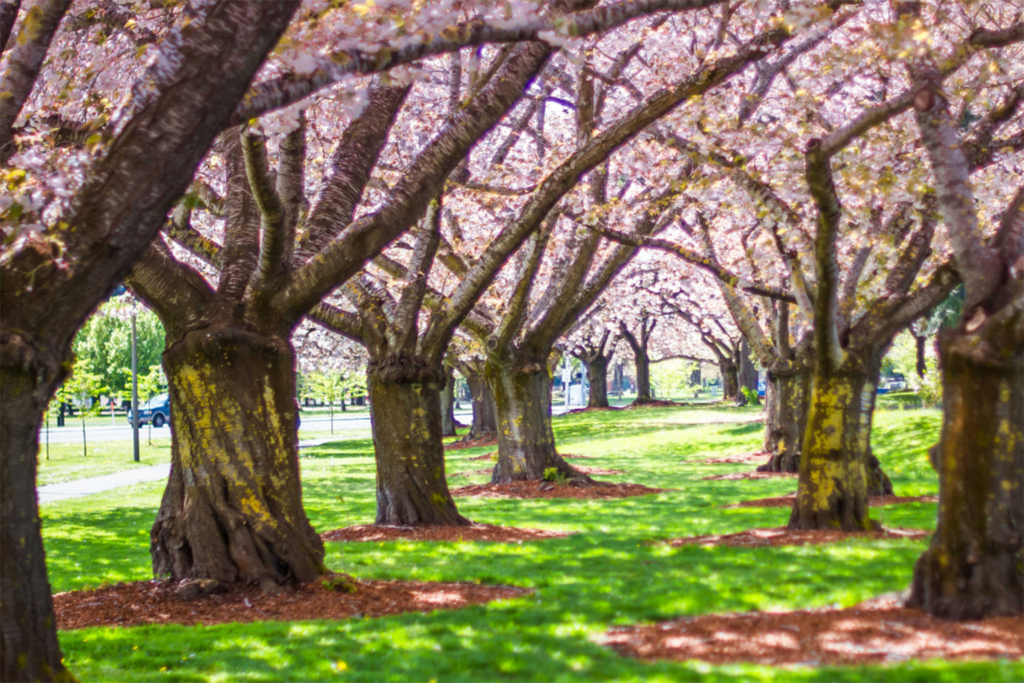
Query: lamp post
[[135, 389]]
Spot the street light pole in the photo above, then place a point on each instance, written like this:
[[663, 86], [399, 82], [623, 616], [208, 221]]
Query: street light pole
[[135, 389]]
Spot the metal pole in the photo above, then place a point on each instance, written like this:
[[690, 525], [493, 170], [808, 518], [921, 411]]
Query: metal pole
[[135, 390]]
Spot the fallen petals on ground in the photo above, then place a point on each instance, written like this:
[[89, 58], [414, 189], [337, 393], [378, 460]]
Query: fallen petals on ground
[[762, 538], [737, 476], [873, 501]]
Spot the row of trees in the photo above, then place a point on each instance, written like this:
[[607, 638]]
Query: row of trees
[[473, 210]]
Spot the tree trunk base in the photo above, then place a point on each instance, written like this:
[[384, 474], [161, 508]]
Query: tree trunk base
[[412, 489], [232, 510]]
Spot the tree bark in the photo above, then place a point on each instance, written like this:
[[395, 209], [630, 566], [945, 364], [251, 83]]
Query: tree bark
[[448, 405], [597, 376], [412, 489], [974, 567], [747, 373], [232, 510], [485, 421], [730, 380], [785, 418], [29, 650], [833, 486], [526, 442], [643, 376]]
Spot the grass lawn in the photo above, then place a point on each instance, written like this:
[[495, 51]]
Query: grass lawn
[[66, 461], [612, 572]]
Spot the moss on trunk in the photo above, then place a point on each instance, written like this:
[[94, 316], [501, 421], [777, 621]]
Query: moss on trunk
[[526, 443], [974, 567], [232, 510], [833, 486], [406, 416]]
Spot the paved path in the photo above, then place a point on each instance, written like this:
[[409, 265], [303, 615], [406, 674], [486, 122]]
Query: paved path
[[141, 475]]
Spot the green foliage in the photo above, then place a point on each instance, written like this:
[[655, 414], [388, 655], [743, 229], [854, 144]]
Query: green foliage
[[105, 342], [612, 571], [552, 474], [672, 377], [903, 359], [750, 395], [340, 582]]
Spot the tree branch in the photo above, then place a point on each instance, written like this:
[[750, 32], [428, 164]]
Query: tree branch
[[826, 304]]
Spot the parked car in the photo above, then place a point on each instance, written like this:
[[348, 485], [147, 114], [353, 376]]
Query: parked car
[[762, 387], [157, 410]]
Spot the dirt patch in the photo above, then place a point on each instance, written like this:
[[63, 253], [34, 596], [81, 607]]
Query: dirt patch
[[736, 476], [656, 403], [873, 501], [854, 636], [477, 532], [740, 458], [154, 602], [570, 456], [763, 538], [479, 442], [546, 489]]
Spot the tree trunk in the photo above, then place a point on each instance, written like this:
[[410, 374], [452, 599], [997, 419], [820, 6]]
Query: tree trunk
[[411, 486], [448, 405], [785, 418], [485, 421], [643, 376], [974, 567], [617, 380], [232, 510], [526, 443], [29, 650], [747, 373], [833, 486], [597, 376], [730, 380]]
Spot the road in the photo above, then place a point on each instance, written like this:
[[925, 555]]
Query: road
[[72, 433]]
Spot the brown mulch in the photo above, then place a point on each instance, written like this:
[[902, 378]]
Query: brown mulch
[[477, 532], [859, 635], [577, 411], [570, 456], [736, 476], [656, 403], [478, 442], [578, 468], [471, 473], [781, 536], [545, 489], [153, 602], [493, 455], [740, 458], [874, 501]]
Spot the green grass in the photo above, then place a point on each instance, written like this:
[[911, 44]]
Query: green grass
[[66, 461], [612, 572]]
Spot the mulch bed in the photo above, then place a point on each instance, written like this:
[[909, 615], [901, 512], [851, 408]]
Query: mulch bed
[[874, 501], [740, 458], [546, 489], [577, 411], [656, 403], [578, 468], [478, 442], [486, 456], [859, 635], [736, 476], [570, 456], [154, 602], [477, 532], [781, 536]]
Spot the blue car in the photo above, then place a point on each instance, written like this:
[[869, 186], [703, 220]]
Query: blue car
[[156, 410], [762, 386]]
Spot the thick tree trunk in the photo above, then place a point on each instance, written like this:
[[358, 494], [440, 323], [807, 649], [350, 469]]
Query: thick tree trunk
[[730, 380], [597, 376], [974, 567], [411, 485], [785, 418], [448, 405], [833, 486], [643, 376], [29, 650], [232, 510], [526, 442], [485, 421]]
